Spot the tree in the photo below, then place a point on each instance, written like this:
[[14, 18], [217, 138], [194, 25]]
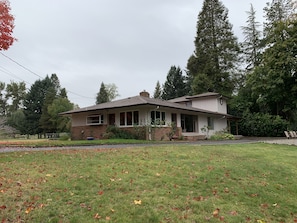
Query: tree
[[252, 40], [6, 25], [274, 82], [102, 95], [3, 100], [276, 11], [112, 91], [174, 85], [17, 120], [53, 91], [60, 123], [16, 93], [40, 96], [216, 51], [158, 91]]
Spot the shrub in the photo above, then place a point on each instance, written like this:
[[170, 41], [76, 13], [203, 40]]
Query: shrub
[[222, 136], [259, 124], [114, 132]]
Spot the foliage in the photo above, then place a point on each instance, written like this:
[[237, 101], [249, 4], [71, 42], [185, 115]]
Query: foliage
[[252, 40], [174, 85], [114, 132], [7, 25], [16, 92], [107, 93], [222, 135], [274, 82], [17, 120], [237, 183], [60, 123], [3, 100], [102, 95], [158, 91], [112, 91], [212, 67], [261, 124]]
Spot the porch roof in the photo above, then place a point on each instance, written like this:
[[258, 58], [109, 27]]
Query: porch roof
[[142, 101]]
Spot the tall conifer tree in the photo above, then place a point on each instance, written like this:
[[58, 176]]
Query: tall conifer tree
[[213, 65]]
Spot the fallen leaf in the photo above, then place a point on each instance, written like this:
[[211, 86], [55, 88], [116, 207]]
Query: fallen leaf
[[97, 216], [215, 213], [28, 210], [107, 218], [3, 207], [100, 192], [157, 174], [138, 202], [234, 213]]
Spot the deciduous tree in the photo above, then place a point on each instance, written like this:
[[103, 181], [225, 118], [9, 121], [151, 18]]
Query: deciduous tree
[[6, 25]]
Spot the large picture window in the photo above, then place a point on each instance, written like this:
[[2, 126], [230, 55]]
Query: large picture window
[[95, 120], [129, 118], [157, 118]]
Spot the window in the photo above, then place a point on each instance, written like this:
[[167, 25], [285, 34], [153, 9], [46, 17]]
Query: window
[[129, 118], [95, 120], [210, 123], [122, 118], [157, 118]]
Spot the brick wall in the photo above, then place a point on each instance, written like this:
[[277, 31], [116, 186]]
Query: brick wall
[[97, 132], [83, 132]]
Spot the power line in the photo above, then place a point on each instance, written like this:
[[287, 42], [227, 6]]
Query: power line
[[32, 72]]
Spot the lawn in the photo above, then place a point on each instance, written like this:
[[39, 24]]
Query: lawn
[[63, 143], [166, 183]]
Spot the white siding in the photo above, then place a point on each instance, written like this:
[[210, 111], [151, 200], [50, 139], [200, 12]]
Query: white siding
[[210, 104]]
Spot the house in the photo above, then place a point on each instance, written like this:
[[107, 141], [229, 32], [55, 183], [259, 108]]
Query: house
[[193, 117]]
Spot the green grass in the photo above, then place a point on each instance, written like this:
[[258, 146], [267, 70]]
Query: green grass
[[175, 183], [61, 143]]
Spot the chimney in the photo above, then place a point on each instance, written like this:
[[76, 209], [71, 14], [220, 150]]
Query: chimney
[[144, 94]]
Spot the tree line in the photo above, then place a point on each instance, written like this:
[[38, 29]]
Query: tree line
[[258, 74], [35, 111]]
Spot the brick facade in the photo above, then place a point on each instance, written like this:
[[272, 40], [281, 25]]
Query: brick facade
[[83, 132], [97, 132]]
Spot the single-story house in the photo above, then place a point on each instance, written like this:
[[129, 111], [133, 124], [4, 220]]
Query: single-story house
[[192, 117]]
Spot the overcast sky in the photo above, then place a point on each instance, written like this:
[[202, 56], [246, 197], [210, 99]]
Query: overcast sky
[[131, 43]]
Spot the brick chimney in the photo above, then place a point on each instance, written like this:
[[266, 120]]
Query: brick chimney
[[144, 94]]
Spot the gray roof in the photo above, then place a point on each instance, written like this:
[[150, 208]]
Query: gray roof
[[140, 101]]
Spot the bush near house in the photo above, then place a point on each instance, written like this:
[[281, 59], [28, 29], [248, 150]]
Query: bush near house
[[114, 132]]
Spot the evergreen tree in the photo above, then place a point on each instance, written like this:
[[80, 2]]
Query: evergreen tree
[[252, 39], [276, 11], [102, 95], [158, 91], [33, 106], [174, 85], [213, 65]]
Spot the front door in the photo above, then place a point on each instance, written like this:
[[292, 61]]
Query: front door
[[189, 123]]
